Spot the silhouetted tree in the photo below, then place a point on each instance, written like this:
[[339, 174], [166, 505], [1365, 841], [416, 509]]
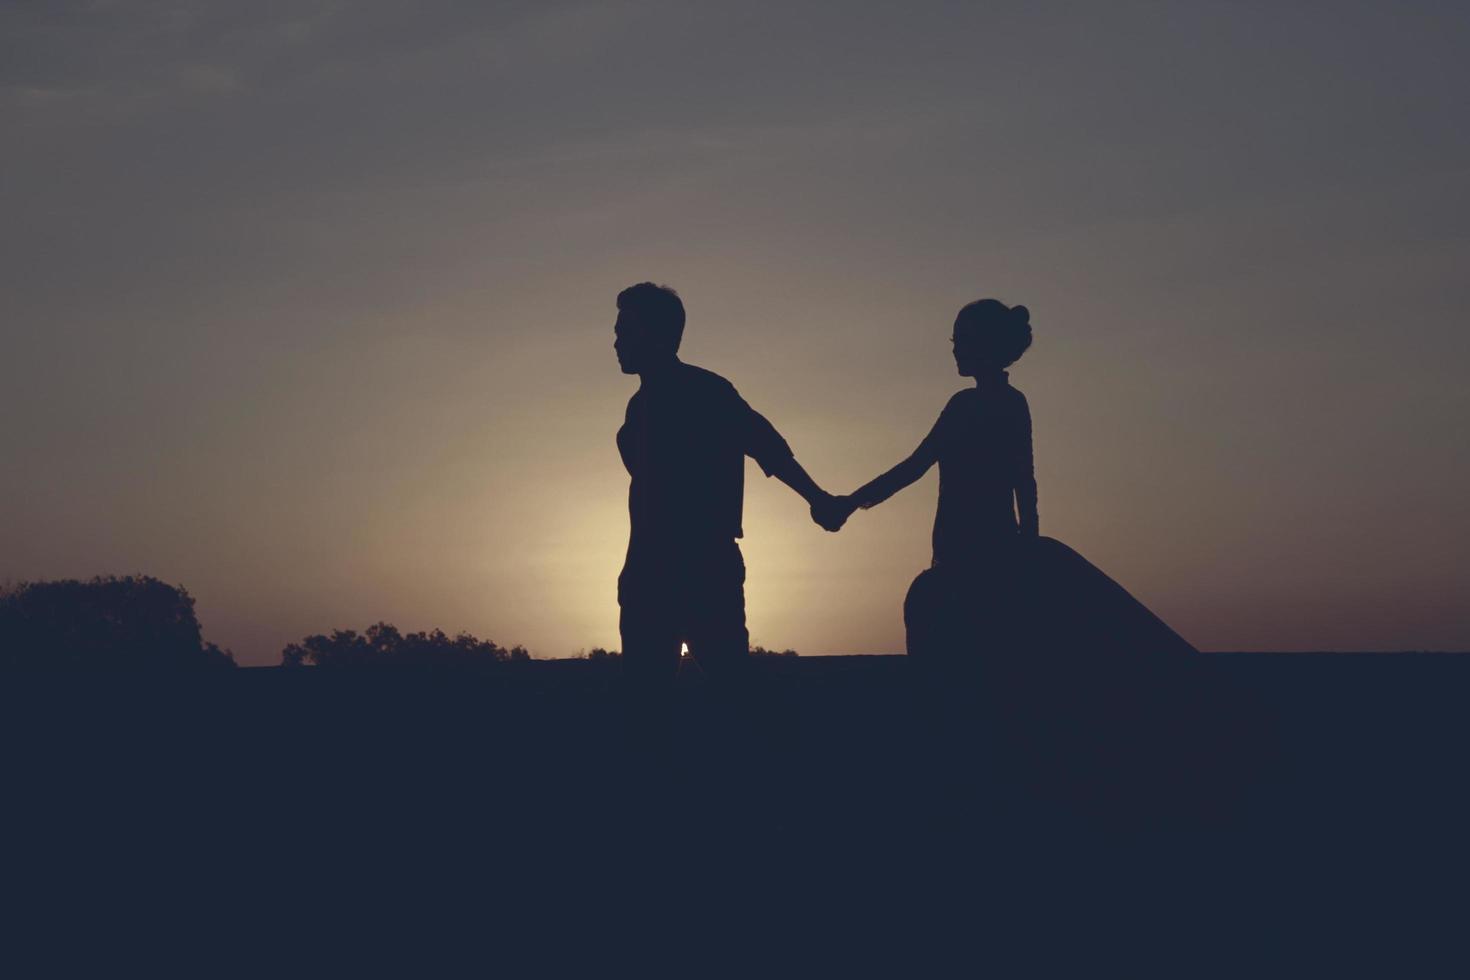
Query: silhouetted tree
[[382, 645], [129, 623], [600, 655]]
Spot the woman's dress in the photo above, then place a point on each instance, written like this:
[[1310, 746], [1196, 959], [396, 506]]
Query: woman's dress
[[1075, 686]]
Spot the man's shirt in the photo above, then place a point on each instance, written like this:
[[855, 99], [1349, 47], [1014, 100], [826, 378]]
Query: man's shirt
[[684, 442]]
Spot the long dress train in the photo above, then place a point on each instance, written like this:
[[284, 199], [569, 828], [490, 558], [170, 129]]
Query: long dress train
[[1064, 684]]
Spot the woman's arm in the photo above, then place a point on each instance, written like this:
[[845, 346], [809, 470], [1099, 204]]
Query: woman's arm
[[1025, 479], [880, 488], [834, 514]]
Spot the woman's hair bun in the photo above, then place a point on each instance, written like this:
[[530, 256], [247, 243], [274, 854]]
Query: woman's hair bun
[[1001, 333]]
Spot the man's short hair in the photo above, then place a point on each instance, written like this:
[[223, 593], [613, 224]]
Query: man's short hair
[[658, 308]]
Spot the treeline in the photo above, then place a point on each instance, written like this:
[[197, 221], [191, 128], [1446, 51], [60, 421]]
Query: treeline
[[137, 622], [382, 645], [132, 622], [601, 655]]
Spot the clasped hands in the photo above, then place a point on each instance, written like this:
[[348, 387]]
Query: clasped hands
[[831, 512]]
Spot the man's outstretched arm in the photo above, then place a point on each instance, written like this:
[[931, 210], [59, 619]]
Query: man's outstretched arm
[[791, 473], [761, 442]]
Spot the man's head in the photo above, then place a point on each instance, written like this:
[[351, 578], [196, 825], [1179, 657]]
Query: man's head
[[649, 327]]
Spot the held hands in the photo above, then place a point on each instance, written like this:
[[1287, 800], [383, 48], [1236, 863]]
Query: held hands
[[832, 512]]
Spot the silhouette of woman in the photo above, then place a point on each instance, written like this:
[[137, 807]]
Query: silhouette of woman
[[1053, 649]]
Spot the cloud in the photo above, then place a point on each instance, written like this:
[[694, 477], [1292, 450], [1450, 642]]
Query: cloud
[[210, 79], [119, 59]]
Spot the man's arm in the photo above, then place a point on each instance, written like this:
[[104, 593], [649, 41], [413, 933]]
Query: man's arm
[[791, 473], [761, 442]]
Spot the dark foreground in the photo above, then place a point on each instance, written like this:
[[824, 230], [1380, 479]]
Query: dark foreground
[[485, 813]]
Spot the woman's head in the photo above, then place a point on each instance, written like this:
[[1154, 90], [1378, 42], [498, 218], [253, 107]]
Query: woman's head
[[990, 336]]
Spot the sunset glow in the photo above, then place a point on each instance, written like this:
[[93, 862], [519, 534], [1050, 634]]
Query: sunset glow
[[318, 322]]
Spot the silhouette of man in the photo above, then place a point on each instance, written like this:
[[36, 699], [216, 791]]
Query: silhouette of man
[[684, 442]]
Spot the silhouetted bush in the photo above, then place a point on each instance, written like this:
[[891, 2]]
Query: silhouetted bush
[[109, 623], [599, 655], [382, 645]]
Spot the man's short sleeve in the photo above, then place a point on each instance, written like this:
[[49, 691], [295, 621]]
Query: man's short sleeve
[[757, 437]]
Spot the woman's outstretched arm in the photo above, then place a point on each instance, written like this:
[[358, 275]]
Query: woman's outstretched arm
[[834, 514], [881, 487]]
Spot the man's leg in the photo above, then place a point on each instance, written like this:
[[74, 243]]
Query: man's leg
[[644, 795], [718, 640], [746, 723], [650, 666], [651, 640]]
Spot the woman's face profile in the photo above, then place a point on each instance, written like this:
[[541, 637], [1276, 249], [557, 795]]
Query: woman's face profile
[[966, 357]]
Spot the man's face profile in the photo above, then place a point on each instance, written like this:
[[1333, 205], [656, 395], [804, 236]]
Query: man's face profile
[[630, 343]]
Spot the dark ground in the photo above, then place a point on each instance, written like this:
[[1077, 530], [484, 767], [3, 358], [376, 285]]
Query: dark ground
[[484, 807]]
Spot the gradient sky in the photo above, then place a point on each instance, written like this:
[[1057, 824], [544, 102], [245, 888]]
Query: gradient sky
[[308, 306]]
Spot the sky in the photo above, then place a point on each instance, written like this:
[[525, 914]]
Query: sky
[[307, 307]]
